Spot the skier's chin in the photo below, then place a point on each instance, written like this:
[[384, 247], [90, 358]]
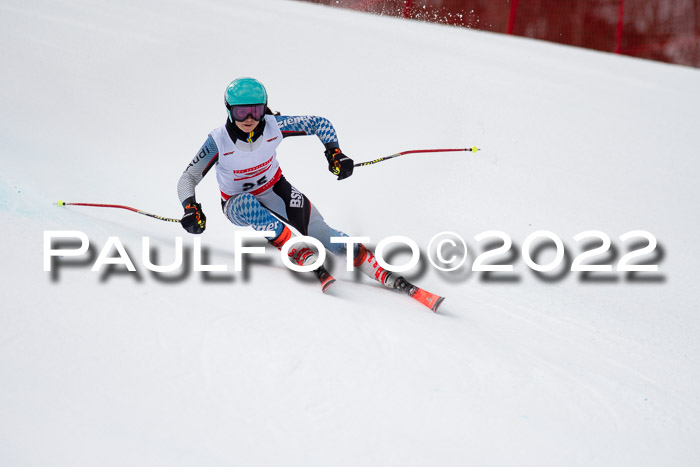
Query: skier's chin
[[248, 127]]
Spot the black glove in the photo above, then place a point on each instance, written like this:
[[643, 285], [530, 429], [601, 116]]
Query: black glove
[[194, 221], [339, 164]]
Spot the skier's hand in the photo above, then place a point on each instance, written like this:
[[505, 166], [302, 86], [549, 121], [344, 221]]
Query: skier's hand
[[339, 164], [194, 221]]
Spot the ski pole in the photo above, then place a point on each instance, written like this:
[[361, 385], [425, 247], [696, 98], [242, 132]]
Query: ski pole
[[138, 211], [360, 164]]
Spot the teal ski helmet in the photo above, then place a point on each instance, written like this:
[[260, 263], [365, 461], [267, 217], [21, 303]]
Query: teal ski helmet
[[244, 91]]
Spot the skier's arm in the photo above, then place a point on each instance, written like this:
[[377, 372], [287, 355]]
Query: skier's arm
[[205, 159], [194, 221], [338, 163], [309, 125]]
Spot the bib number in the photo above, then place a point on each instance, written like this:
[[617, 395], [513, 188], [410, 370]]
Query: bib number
[[260, 182]]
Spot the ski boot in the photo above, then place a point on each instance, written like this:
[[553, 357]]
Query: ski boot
[[301, 254]]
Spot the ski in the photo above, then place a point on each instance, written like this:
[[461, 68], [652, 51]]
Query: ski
[[324, 277], [368, 264], [424, 297], [401, 285], [428, 299]]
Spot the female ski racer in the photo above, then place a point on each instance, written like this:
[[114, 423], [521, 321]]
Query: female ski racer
[[255, 193]]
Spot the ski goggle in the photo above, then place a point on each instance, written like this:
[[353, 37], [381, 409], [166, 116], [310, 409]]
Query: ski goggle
[[241, 112]]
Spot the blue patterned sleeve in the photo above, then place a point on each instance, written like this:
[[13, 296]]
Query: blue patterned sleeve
[[308, 125]]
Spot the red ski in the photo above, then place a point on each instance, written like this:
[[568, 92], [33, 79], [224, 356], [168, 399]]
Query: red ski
[[428, 299], [401, 285]]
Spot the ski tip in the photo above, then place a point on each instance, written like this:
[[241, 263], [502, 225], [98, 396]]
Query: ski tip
[[326, 284], [437, 304], [60, 203], [428, 299]]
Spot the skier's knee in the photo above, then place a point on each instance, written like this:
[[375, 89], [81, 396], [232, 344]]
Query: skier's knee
[[240, 209], [323, 232]]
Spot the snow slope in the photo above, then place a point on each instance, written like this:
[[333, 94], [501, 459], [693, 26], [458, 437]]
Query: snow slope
[[108, 102]]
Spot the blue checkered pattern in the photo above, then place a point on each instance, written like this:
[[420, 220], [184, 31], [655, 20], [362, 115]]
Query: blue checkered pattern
[[310, 125], [245, 210]]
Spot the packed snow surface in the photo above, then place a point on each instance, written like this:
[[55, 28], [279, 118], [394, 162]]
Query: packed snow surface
[[107, 102]]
